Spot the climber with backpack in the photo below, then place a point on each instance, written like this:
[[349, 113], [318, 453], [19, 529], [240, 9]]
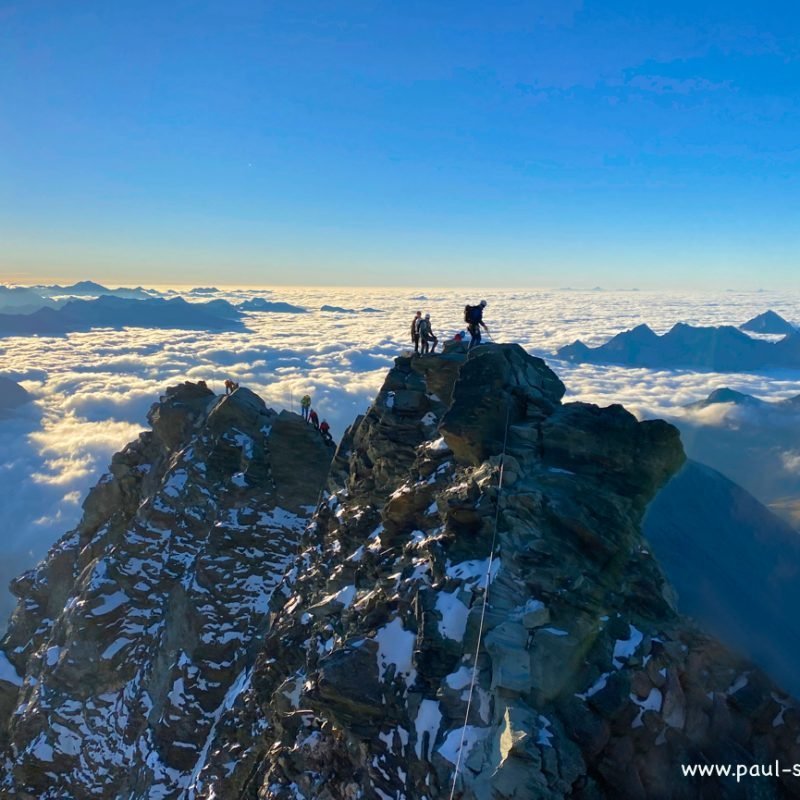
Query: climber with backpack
[[426, 335], [313, 419], [473, 316], [415, 331], [305, 406]]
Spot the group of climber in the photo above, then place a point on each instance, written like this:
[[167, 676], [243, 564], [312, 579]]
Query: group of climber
[[424, 340], [422, 334], [311, 416]]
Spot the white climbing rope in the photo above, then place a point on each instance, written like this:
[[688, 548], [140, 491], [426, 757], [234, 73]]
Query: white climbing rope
[[483, 610]]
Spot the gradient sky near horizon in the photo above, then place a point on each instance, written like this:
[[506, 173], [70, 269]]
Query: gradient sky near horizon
[[541, 143]]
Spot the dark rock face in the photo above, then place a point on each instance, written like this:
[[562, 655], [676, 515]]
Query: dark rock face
[[587, 682], [495, 391], [133, 636], [722, 349]]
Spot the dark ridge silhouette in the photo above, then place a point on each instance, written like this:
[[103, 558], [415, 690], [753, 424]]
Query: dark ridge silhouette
[[734, 564], [117, 312], [720, 349]]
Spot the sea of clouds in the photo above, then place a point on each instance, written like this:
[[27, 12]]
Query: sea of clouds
[[92, 389]]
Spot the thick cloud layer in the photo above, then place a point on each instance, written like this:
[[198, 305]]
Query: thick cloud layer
[[92, 390]]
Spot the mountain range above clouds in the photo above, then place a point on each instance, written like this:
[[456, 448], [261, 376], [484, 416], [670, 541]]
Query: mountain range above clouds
[[28, 299], [259, 304], [54, 309], [722, 348], [91, 289], [25, 300], [117, 312]]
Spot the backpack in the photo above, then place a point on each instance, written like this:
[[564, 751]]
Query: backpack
[[472, 314]]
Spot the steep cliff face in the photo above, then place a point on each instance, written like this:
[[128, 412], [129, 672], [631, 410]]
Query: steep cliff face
[[587, 683], [351, 676], [131, 636]]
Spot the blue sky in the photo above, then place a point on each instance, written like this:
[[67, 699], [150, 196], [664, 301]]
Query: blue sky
[[520, 143]]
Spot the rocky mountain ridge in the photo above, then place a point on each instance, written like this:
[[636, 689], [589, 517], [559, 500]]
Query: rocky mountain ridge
[[350, 675], [128, 638]]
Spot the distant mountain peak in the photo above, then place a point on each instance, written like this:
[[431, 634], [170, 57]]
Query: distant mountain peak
[[727, 395], [12, 395], [769, 322]]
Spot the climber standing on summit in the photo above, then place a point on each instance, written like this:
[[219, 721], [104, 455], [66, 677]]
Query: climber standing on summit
[[473, 316], [415, 331], [305, 406], [426, 335]]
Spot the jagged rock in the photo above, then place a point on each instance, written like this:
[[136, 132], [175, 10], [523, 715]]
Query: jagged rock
[[137, 633], [494, 389], [634, 457], [587, 683]]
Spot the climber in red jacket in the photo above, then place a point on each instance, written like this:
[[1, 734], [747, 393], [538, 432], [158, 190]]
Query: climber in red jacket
[[313, 418], [325, 430]]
